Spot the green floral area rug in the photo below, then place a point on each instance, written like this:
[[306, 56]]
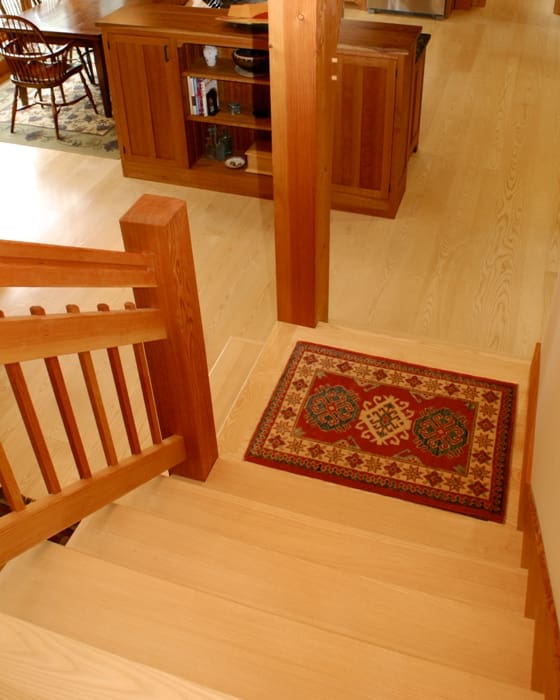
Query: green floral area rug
[[81, 129], [421, 434]]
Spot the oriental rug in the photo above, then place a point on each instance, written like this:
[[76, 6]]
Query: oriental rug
[[421, 434], [81, 129]]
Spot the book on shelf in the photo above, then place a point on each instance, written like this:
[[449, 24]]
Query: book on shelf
[[203, 96]]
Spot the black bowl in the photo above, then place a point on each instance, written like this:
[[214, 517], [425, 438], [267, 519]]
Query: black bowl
[[251, 61]]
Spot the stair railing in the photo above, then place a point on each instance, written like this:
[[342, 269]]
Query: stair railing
[[164, 331]]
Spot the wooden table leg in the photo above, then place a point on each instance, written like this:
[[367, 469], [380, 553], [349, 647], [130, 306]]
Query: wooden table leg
[[101, 66]]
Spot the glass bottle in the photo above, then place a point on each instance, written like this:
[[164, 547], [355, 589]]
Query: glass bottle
[[210, 142], [226, 140]]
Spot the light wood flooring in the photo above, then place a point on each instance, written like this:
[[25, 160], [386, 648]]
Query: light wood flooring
[[461, 278], [472, 256]]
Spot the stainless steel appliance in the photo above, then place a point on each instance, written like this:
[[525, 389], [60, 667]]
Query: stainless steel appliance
[[434, 8]]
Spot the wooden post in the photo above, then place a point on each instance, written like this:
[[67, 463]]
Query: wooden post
[[178, 365], [302, 38]]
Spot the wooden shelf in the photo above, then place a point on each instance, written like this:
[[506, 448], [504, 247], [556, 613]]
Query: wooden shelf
[[224, 70], [245, 120]]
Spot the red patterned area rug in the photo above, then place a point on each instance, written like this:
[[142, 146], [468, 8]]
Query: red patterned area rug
[[426, 435]]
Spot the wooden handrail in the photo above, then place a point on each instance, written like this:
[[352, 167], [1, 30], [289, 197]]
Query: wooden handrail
[[36, 337], [164, 329]]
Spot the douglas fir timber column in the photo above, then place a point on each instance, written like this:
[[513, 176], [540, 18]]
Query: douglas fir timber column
[[303, 36]]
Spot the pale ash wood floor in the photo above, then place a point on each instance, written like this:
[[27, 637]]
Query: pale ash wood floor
[[471, 258], [469, 261]]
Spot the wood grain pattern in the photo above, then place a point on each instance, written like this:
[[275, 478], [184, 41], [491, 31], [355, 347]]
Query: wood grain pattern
[[38, 336], [146, 384], [541, 607], [264, 655], [178, 366], [50, 265], [41, 519], [302, 113], [33, 660]]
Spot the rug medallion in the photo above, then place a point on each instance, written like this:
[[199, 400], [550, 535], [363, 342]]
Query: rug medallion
[[426, 435]]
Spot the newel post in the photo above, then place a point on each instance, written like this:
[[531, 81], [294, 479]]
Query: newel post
[[178, 365]]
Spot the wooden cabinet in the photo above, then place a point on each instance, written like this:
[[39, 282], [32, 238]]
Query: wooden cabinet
[[145, 88], [153, 50], [364, 134], [375, 116]]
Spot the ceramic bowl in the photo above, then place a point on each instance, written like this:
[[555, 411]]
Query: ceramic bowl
[[251, 61]]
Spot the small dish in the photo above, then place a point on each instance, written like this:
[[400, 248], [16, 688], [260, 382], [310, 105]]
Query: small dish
[[235, 162]]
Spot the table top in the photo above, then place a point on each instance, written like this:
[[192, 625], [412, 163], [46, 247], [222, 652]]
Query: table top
[[76, 18]]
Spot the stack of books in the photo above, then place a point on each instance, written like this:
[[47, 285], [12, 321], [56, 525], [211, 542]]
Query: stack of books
[[203, 96]]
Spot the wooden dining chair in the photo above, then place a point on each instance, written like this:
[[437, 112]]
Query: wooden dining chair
[[16, 7], [35, 64], [85, 53]]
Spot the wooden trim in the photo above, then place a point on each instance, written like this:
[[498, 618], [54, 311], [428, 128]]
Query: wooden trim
[[541, 607], [40, 520], [45, 265], [539, 601], [556, 8], [178, 364], [96, 399], [30, 419], [305, 35], [60, 334], [526, 469], [9, 484]]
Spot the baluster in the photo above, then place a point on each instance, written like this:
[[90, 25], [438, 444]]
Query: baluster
[[96, 400], [122, 393], [65, 407]]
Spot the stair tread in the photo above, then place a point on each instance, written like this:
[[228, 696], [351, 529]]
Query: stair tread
[[380, 557], [227, 646], [34, 664], [314, 594], [369, 512]]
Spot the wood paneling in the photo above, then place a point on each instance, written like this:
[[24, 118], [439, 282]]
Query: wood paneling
[[147, 91], [541, 607]]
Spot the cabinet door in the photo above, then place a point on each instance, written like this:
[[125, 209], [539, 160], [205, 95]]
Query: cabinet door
[[364, 124], [146, 90]]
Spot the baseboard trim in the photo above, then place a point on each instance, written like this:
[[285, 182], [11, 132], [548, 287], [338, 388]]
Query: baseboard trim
[[529, 441], [539, 601], [539, 606]]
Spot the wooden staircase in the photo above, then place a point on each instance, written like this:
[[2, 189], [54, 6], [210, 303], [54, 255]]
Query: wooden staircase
[[261, 584]]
